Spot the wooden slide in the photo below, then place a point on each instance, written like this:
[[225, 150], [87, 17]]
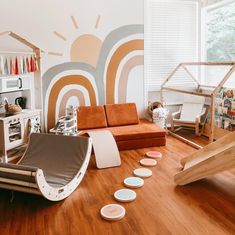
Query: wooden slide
[[214, 158]]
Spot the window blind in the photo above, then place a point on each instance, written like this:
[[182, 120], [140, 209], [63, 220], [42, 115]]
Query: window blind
[[171, 37]]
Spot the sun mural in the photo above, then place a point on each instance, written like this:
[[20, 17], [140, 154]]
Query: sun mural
[[86, 49], [97, 73]]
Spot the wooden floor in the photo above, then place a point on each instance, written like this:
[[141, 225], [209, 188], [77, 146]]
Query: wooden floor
[[190, 135], [204, 207]]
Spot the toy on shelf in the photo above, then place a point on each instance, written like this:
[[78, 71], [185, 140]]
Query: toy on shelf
[[225, 109], [11, 109], [67, 125]]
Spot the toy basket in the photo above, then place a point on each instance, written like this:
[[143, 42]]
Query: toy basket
[[158, 113]]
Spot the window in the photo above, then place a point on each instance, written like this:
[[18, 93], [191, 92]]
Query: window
[[219, 40], [171, 37]]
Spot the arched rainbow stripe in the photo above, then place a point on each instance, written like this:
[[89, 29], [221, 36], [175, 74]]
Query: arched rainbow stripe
[[123, 81], [119, 54], [67, 95], [64, 81]]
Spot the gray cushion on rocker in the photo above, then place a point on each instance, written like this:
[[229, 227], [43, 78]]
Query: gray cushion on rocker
[[60, 157]]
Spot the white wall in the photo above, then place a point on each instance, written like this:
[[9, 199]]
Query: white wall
[[37, 20]]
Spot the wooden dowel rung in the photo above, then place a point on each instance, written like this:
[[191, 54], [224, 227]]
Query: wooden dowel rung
[[186, 92], [18, 182], [17, 171]]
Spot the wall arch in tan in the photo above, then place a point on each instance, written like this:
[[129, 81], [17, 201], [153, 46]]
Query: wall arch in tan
[[122, 85], [55, 90], [67, 95], [116, 59]]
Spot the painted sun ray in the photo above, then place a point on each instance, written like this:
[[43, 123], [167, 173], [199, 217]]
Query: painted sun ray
[[97, 22], [55, 53], [74, 21], [4, 33], [60, 36]]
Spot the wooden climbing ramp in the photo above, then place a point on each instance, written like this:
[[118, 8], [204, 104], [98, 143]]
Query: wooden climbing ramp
[[212, 159]]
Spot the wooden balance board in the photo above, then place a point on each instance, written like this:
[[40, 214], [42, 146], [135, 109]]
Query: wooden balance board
[[125, 195], [112, 212], [133, 182], [154, 154], [148, 162], [142, 172]]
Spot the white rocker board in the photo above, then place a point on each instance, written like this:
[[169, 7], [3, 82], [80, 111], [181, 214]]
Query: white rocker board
[[52, 166], [105, 149], [133, 182], [112, 212], [148, 162], [154, 154], [143, 172], [125, 195]]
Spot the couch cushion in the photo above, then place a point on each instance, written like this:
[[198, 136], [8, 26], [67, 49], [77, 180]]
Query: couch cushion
[[143, 135], [121, 114], [91, 117], [143, 130]]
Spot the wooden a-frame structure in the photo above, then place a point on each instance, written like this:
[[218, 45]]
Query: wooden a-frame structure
[[212, 95], [37, 51]]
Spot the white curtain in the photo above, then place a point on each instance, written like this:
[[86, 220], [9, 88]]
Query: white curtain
[[209, 2]]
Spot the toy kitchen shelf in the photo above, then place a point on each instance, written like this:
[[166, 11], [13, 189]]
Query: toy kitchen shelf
[[15, 130], [20, 70], [20, 77]]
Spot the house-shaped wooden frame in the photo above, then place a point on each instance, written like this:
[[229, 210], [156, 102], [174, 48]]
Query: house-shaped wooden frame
[[37, 75], [198, 92]]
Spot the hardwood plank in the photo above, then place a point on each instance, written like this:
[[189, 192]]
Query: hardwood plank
[[204, 207]]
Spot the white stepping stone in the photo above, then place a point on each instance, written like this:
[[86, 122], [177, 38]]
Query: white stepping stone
[[142, 172], [148, 162], [125, 195], [133, 182], [154, 154], [112, 212]]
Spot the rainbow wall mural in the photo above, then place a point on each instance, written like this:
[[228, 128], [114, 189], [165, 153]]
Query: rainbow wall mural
[[98, 73]]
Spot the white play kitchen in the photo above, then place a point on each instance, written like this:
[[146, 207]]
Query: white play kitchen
[[20, 92], [15, 129]]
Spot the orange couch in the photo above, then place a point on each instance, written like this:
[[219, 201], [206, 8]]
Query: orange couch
[[123, 122]]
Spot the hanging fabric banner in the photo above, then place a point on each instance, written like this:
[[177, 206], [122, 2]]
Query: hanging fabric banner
[[6, 67], [21, 70], [12, 67], [32, 64], [24, 66], [28, 64], [2, 70], [16, 66]]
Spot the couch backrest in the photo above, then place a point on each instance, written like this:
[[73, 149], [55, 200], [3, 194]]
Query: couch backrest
[[91, 117], [121, 114]]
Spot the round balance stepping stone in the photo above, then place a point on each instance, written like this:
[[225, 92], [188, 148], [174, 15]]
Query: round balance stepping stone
[[112, 212], [133, 182], [142, 172], [148, 162], [154, 154], [125, 195]]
